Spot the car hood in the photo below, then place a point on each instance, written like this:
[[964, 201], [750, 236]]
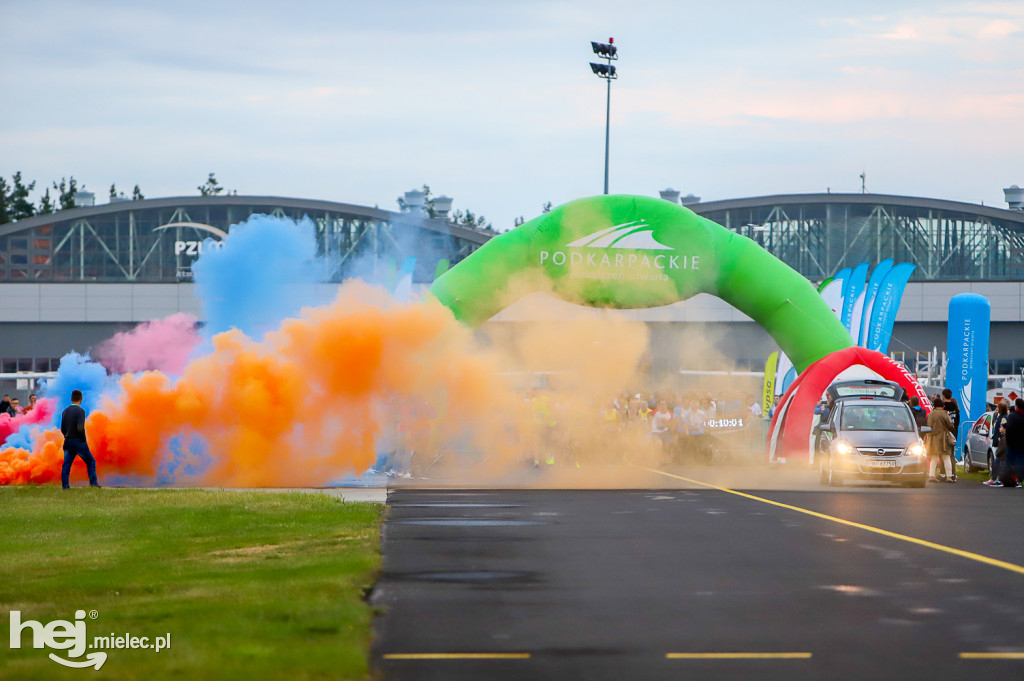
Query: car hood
[[878, 438]]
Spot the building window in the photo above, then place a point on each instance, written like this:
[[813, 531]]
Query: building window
[[19, 259], [41, 259], [19, 244], [41, 244], [8, 365]]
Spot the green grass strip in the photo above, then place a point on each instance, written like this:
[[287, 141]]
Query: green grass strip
[[250, 585]]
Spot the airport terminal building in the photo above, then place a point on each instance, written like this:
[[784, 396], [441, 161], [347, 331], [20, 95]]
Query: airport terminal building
[[71, 279]]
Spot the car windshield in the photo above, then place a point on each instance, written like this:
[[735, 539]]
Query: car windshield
[[881, 417], [865, 389]]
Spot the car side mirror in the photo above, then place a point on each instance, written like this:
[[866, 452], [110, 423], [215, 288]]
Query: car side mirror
[[827, 428], [924, 430]]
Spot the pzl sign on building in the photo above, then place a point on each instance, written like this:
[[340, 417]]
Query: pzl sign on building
[[72, 637], [195, 246]]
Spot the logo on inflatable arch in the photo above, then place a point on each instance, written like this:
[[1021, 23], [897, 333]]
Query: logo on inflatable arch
[[635, 235]]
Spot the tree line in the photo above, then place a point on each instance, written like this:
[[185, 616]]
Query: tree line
[[15, 203]]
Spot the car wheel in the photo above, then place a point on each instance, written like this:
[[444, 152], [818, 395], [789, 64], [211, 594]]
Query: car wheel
[[969, 466], [991, 460], [822, 470], [834, 478]]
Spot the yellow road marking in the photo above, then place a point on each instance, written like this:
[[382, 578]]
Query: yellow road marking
[[1012, 567], [992, 656], [738, 656], [457, 656]]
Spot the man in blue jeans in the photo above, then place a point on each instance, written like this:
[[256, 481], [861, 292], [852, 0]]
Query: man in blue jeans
[[72, 425]]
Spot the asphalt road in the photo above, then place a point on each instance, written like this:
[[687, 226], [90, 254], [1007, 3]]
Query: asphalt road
[[697, 583]]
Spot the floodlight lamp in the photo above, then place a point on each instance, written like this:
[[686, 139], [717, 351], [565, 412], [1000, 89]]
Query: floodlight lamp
[[606, 51]]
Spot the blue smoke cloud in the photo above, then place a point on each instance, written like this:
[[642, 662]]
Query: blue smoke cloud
[[264, 272], [76, 372], [81, 373]]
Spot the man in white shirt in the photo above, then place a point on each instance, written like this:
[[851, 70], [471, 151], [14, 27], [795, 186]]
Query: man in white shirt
[[660, 422], [755, 407]]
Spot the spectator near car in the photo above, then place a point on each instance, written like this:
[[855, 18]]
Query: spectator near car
[[952, 407], [1013, 431], [940, 443], [998, 445], [920, 418]]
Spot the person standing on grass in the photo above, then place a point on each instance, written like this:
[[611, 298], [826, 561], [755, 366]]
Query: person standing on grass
[[952, 408], [1013, 431], [72, 425], [998, 445], [920, 418], [940, 443]]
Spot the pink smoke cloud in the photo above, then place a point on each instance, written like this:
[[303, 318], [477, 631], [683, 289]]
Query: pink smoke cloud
[[161, 345], [41, 413]]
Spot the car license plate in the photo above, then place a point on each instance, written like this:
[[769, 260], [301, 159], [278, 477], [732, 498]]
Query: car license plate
[[883, 464]]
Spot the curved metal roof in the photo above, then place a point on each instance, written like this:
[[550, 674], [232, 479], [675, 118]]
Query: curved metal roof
[[312, 205], [865, 199]]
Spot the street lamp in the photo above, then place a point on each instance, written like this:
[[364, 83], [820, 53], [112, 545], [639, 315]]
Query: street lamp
[[609, 53]]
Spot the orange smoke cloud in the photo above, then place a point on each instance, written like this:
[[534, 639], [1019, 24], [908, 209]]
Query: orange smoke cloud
[[306, 405], [41, 465]]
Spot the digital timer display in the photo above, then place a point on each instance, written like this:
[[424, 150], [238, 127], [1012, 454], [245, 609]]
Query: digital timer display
[[725, 423]]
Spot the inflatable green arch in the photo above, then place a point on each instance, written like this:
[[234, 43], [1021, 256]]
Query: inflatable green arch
[[638, 252]]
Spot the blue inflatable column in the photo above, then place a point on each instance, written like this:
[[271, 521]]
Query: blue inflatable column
[[967, 359]]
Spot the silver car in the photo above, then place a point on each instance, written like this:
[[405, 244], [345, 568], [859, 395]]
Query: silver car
[[871, 439], [979, 453]]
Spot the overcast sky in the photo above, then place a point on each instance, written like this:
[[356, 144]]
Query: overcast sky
[[493, 103]]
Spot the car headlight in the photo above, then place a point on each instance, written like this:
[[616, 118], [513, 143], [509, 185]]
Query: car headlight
[[916, 449], [844, 448]]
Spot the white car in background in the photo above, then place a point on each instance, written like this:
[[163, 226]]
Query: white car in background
[[979, 452]]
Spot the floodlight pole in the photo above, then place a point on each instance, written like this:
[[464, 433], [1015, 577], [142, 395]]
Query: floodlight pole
[[607, 129], [609, 53]]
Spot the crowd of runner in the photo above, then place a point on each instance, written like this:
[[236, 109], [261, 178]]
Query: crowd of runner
[[680, 425]]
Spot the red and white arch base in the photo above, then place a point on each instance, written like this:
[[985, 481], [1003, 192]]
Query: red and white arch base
[[790, 431]]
